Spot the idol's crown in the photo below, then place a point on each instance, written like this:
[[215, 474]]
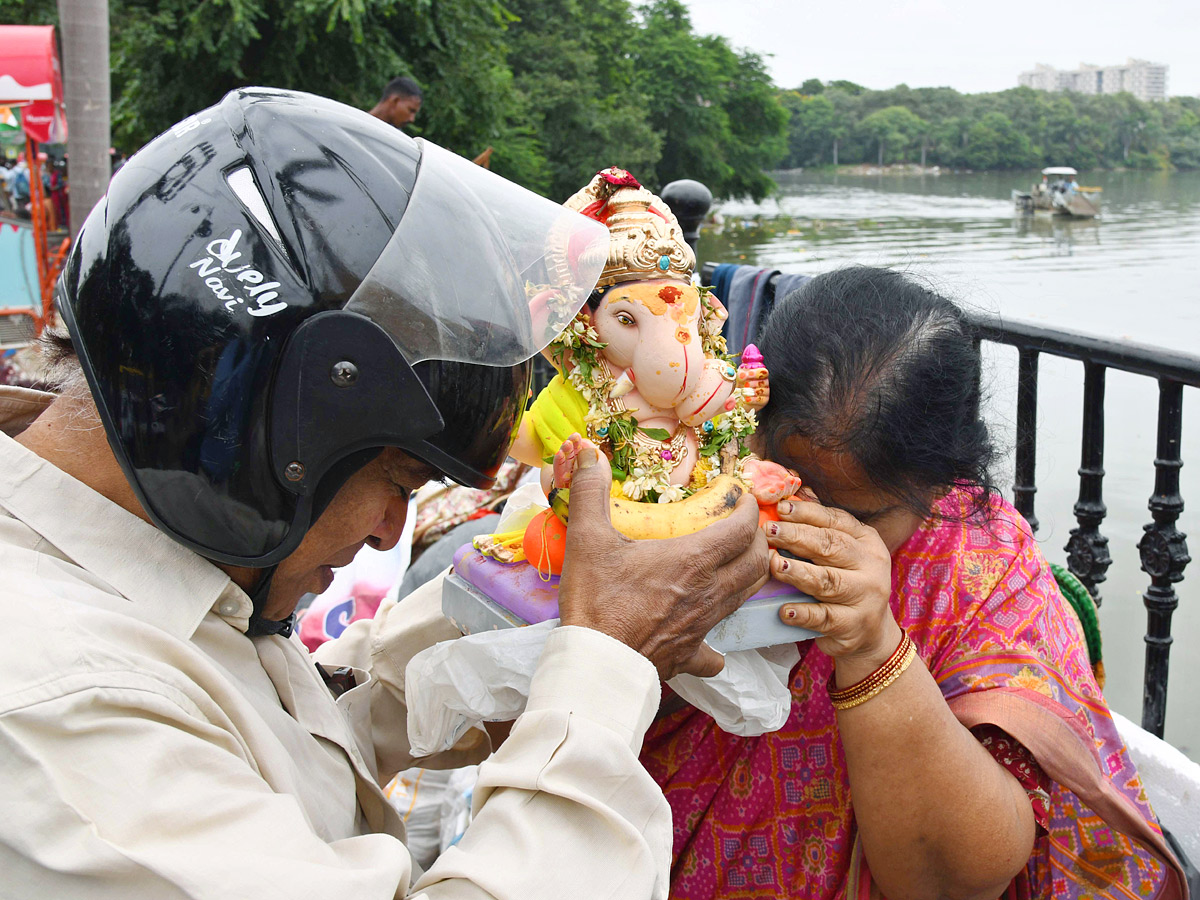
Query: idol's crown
[[645, 240]]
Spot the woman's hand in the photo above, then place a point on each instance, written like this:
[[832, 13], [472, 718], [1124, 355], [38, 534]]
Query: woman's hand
[[849, 571], [925, 792], [659, 597]]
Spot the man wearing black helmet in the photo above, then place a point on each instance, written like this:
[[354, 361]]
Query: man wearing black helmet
[[284, 316]]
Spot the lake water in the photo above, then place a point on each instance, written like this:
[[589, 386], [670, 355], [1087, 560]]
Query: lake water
[[1132, 275]]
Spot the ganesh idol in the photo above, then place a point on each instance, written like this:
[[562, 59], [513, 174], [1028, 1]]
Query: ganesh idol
[[644, 374], [643, 370]]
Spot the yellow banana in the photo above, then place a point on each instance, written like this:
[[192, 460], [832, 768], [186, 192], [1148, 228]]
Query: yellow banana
[[559, 499], [649, 521]]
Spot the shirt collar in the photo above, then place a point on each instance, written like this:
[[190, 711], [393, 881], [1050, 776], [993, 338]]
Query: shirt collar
[[19, 406], [164, 583]]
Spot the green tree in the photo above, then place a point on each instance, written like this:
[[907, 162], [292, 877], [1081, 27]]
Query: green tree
[[848, 87], [758, 128], [716, 109], [1130, 120], [993, 143], [1184, 139], [1060, 120], [28, 12], [938, 103], [1011, 128], [578, 91], [892, 130], [171, 57], [812, 125], [949, 140], [560, 88], [848, 109]]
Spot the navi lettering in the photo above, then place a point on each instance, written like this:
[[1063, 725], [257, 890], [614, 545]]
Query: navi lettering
[[223, 277]]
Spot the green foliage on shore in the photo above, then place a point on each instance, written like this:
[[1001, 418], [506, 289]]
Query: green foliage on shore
[[559, 88], [840, 122]]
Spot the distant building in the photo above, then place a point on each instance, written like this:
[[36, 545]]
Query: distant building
[[1145, 80]]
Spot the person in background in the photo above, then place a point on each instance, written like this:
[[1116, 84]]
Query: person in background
[[56, 191], [947, 738], [18, 186], [49, 210], [400, 102], [6, 200]]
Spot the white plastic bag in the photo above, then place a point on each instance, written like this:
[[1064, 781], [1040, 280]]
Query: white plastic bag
[[435, 805], [456, 685], [522, 505], [750, 696]]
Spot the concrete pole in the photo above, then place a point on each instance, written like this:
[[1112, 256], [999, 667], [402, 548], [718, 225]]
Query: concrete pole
[[87, 91]]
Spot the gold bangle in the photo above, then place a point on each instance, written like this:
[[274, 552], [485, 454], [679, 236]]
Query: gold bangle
[[861, 687], [874, 684]]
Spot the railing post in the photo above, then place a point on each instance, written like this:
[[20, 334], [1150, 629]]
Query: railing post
[[1164, 553], [1087, 550], [1025, 485], [690, 201]]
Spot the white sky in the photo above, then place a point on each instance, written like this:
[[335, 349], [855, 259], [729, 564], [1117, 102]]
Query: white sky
[[967, 44]]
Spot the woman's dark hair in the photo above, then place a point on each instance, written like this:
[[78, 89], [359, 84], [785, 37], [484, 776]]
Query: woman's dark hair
[[871, 363]]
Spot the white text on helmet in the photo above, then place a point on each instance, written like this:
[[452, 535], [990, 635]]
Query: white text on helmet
[[223, 277]]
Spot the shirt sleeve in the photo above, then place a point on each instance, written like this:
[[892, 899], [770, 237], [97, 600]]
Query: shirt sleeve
[[129, 791], [564, 808], [383, 645]]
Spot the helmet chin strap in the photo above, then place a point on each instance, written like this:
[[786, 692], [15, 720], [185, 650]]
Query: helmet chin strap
[[259, 625]]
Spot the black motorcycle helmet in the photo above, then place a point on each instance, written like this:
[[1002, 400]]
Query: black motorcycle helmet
[[281, 285]]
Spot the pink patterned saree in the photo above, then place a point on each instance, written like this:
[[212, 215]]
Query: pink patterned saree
[[772, 816]]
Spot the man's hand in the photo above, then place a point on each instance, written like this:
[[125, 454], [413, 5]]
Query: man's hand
[[659, 597]]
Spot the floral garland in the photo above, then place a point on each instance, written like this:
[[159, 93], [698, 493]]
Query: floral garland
[[641, 471]]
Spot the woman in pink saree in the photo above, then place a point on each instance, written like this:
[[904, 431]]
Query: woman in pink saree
[[990, 766]]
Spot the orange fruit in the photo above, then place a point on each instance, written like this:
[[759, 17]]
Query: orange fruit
[[545, 543], [768, 513]]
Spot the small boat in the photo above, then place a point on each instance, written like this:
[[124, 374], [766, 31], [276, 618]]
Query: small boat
[[1061, 197]]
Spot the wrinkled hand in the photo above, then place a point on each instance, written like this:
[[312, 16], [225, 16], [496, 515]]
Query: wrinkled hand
[[659, 597], [850, 572], [755, 385]]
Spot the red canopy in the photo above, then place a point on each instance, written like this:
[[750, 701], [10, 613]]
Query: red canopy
[[31, 77]]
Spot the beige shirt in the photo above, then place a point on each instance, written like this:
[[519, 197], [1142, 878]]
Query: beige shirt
[[149, 749]]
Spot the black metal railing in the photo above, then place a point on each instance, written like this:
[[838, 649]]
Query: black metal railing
[[1163, 547]]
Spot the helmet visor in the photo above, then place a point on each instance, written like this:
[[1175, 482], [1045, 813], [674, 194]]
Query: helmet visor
[[479, 270]]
